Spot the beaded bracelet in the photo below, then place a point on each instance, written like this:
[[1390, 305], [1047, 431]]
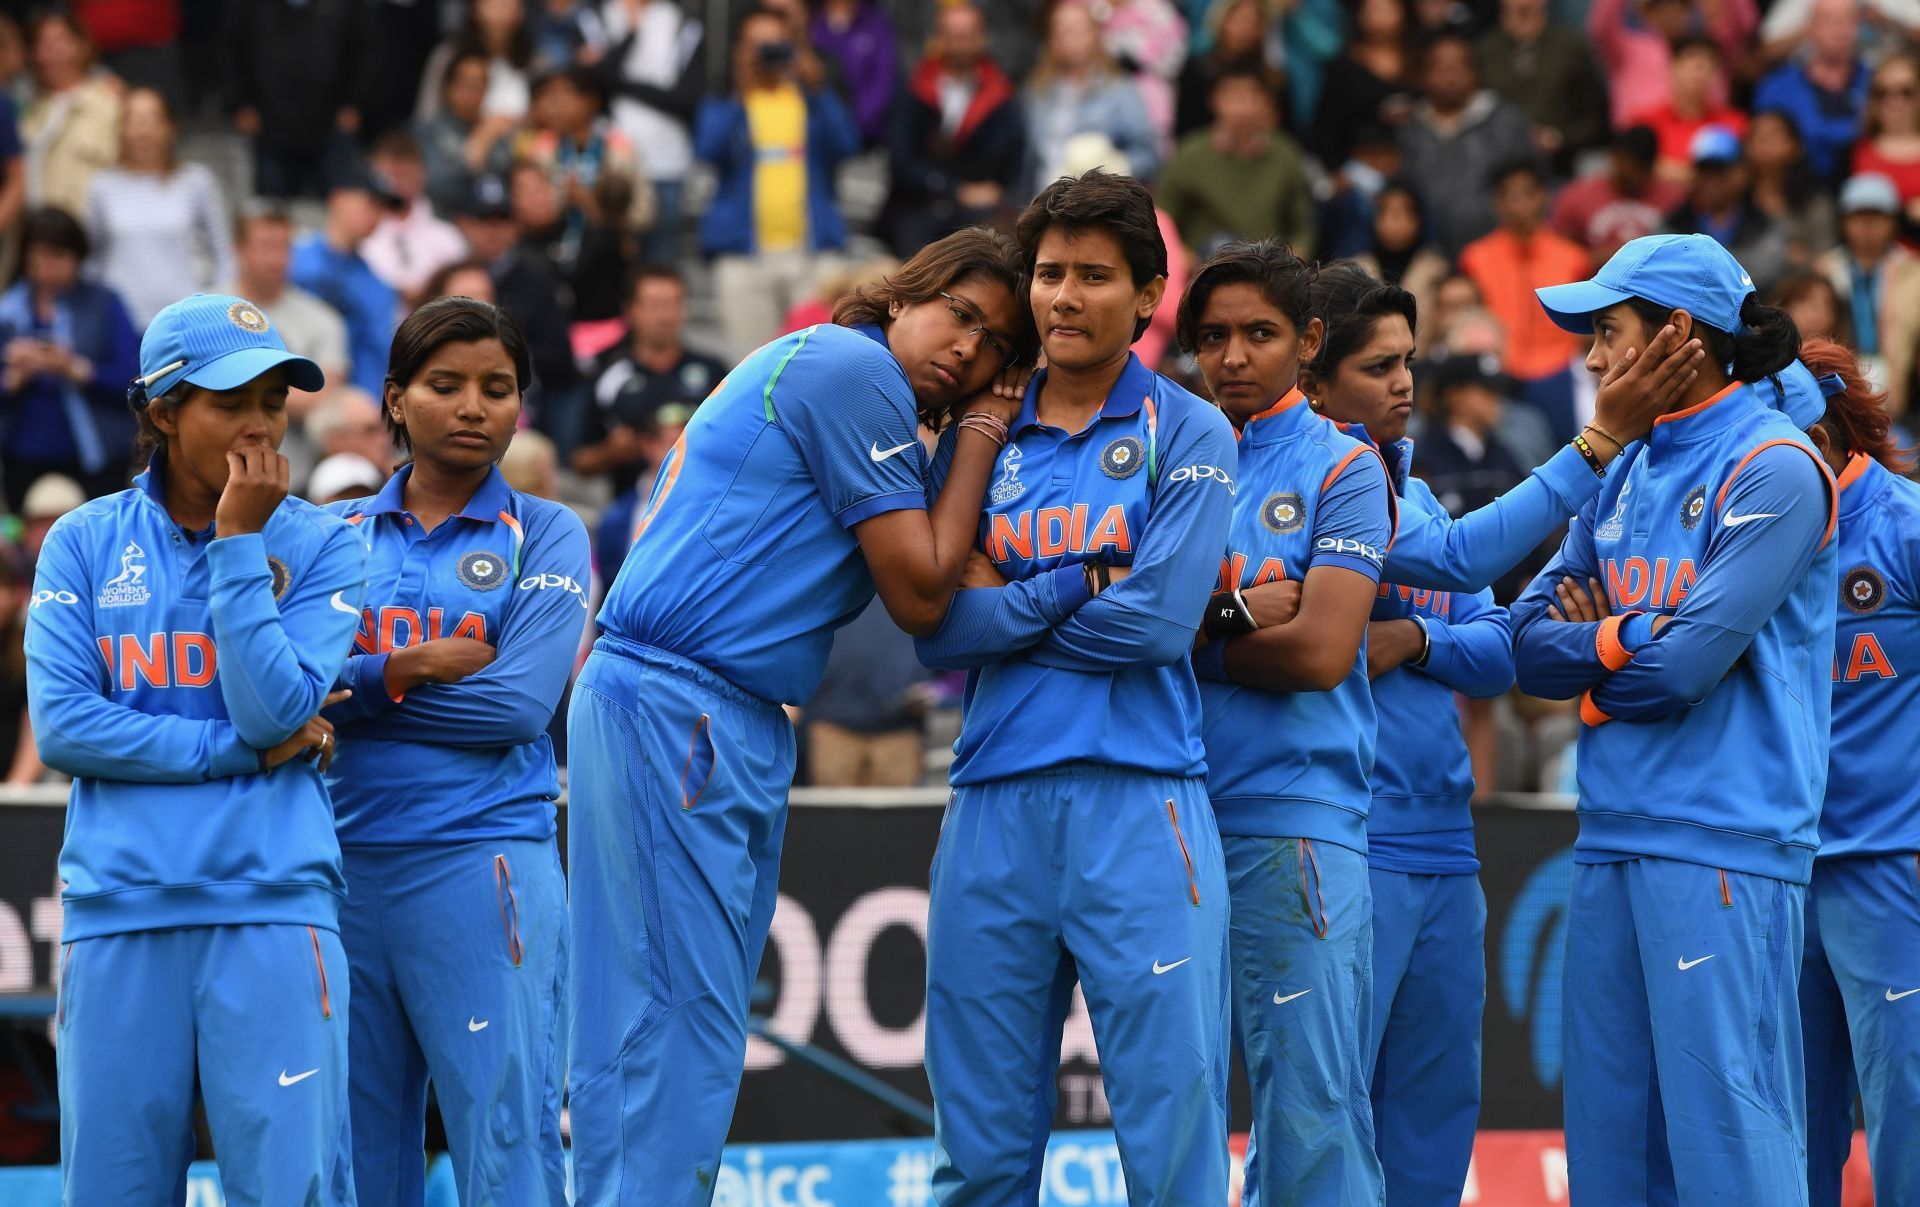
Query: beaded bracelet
[[1590, 457]]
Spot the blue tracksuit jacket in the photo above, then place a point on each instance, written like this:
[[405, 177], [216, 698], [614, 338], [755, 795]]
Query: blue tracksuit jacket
[[1422, 820], [745, 561], [1058, 677], [160, 664], [1295, 764], [1723, 518], [509, 569], [1873, 799]]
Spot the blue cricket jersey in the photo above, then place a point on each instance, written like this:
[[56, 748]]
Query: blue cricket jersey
[[160, 664], [1058, 677], [1873, 779], [1708, 743], [1295, 764], [456, 762], [743, 560], [1422, 818]]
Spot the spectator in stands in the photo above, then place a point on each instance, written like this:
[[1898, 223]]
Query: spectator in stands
[[565, 32], [1816, 307], [498, 30], [858, 35], [1608, 209], [67, 351], [328, 264], [1241, 178], [1872, 271], [1346, 213], [1076, 88], [1373, 85], [298, 71], [1890, 27], [655, 73], [72, 127], [349, 421], [1785, 187], [467, 279], [1239, 42], [403, 33], [1463, 455], [653, 369], [50, 497], [1518, 257], [659, 430], [1698, 78], [459, 142], [1458, 133], [587, 156], [864, 724], [1720, 204], [1399, 253], [343, 476], [19, 754], [528, 286], [531, 465], [958, 140], [263, 254], [1549, 72], [137, 41], [1824, 92], [411, 242], [1637, 40], [589, 255], [158, 227], [774, 144], [1147, 39], [1890, 145], [13, 182]]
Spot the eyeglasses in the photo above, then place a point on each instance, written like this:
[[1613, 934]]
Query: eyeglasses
[[1903, 92], [972, 324]]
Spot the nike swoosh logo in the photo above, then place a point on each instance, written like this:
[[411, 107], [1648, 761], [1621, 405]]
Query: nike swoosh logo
[[1894, 997], [1686, 964], [1281, 1001], [479, 1026], [297, 1078], [1159, 968], [1734, 521], [880, 454], [341, 605]]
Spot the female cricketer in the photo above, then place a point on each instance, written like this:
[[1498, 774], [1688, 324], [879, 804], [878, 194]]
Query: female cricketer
[[184, 636], [455, 918], [1691, 610], [798, 490], [1288, 724], [1079, 842], [1862, 959]]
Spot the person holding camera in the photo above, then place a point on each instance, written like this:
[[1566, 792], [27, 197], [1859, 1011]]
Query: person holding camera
[[773, 143]]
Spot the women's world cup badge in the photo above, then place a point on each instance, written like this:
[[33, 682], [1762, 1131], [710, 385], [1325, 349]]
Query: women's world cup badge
[[1123, 458], [483, 571]]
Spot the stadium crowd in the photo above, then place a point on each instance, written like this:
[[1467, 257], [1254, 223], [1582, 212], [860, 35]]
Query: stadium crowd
[[653, 190]]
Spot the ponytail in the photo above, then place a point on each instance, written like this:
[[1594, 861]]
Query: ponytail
[[1767, 343], [1856, 417]]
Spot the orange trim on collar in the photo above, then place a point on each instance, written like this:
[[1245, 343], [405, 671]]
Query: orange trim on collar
[[1287, 401], [1698, 407], [1857, 466]]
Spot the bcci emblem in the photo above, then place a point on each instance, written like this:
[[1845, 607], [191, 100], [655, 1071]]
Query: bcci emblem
[[247, 317], [1863, 590], [1123, 458], [1693, 507], [1009, 486], [281, 579], [483, 571], [1283, 512]]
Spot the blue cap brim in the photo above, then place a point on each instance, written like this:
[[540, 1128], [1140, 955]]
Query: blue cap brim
[[237, 368], [1572, 307]]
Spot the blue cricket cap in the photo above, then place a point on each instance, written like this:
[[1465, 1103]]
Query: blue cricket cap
[[218, 342], [1803, 397], [1679, 272]]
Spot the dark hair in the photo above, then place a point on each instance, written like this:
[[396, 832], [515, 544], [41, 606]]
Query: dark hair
[[1698, 42], [463, 55], [469, 39], [150, 438], [581, 79], [57, 14], [1283, 278], [1800, 185], [1456, 34], [397, 143], [1767, 342], [450, 321], [51, 226], [1348, 300], [655, 270], [972, 251], [1251, 73], [758, 12], [256, 212], [1638, 143], [1516, 165], [1798, 285], [1098, 200], [1857, 417]]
